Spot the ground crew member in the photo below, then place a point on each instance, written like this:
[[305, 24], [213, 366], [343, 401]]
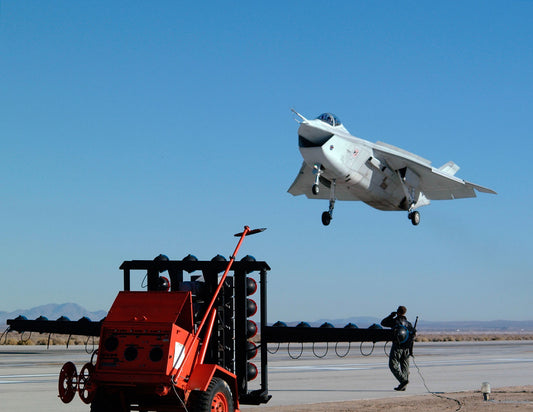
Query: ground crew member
[[402, 345]]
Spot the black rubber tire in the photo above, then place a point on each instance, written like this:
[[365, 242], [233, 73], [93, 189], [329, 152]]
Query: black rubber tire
[[415, 218], [326, 218], [316, 190], [218, 392]]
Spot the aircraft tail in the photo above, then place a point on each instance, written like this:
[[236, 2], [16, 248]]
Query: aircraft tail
[[449, 168]]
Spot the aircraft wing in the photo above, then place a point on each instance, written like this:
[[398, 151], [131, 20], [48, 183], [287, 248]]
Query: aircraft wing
[[434, 183], [303, 184]]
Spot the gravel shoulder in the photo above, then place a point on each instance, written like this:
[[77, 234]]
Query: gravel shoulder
[[518, 398]]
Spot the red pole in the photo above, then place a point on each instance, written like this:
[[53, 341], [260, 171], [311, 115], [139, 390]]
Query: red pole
[[221, 283], [207, 336]]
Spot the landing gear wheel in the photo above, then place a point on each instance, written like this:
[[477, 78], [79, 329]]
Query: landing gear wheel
[[326, 218], [68, 382], [216, 398], [86, 388], [315, 189], [415, 218]]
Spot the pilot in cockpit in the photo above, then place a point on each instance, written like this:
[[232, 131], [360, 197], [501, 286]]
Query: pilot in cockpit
[[330, 119]]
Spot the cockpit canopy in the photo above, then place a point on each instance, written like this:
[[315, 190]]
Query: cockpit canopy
[[330, 119]]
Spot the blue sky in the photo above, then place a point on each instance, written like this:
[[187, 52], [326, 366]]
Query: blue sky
[[130, 129]]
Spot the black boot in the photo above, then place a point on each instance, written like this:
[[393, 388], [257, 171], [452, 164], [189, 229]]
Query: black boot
[[401, 386]]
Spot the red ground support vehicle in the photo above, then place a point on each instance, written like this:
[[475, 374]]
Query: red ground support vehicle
[[170, 350]]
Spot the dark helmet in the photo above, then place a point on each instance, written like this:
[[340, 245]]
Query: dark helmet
[[401, 334]]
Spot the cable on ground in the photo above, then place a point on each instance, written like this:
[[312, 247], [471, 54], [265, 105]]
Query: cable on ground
[[177, 395], [459, 404]]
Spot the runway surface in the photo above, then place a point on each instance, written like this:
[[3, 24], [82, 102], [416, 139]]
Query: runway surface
[[29, 374]]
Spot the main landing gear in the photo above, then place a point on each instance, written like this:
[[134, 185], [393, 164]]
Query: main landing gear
[[409, 192], [414, 217], [326, 218], [328, 214]]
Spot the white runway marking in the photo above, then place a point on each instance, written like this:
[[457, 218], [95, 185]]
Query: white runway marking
[[41, 375], [12, 379]]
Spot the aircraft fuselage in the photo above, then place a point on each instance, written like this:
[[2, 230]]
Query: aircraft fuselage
[[345, 159]]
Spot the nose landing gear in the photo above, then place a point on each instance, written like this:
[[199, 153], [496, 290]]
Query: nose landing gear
[[317, 169]]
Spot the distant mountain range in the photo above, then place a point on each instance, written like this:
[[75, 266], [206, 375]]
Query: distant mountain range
[[53, 311], [74, 311]]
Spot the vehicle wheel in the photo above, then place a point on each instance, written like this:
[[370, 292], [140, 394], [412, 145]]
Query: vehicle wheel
[[216, 398], [68, 382], [86, 389], [316, 189], [326, 218], [415, 218]]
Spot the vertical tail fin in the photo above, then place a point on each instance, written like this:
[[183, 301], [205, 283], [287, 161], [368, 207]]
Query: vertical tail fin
[[449, 168]]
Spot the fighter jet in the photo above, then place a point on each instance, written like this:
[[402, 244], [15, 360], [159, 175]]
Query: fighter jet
[[338, 165]]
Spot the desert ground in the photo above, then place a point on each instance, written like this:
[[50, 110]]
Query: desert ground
[[501, 400]]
